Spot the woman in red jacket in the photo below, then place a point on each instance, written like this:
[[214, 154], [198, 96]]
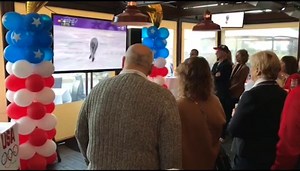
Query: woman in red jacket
[[288, 147]]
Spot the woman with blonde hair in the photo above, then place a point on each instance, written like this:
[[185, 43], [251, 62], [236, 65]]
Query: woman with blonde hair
[[256, 120], [201, 113]]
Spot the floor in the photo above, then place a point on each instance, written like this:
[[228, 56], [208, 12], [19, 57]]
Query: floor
[[71, 158]]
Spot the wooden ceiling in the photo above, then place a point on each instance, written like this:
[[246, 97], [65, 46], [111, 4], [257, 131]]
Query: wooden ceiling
[[281, 11]]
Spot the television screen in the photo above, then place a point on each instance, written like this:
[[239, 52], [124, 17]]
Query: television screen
[[83, 44], [229, 20]]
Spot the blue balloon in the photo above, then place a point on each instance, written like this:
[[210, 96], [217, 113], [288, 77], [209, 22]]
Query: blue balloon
[[23, 38], [152, 32], [44, 39], [13, 53], [8, 37], [12, 21], [33, 22], [47, 22], [164, 53], [163, 33], [35, 55], [149, 42], [144, 32], [160, 43], [48, 54]]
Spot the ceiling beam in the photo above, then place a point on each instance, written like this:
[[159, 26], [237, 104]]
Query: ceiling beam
[[101, 6], [219, 9], [268, 17]]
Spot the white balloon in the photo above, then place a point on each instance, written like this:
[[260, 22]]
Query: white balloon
[[8, 67], [44, 69], [159, 80], [10, 95], [26, 151], [47, 123], [46, 149], [23, 97], [22, 68], [25, 125], [45, 96], [160, 62]]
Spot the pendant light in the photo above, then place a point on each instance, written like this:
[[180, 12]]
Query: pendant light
[[132, 16]]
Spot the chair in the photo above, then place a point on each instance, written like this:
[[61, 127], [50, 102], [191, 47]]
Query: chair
[[57, 82]]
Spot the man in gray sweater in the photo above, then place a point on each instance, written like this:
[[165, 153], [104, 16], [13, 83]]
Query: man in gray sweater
[[128, 122]]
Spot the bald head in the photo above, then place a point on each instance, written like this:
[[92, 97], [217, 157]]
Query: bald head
[[139, 57]]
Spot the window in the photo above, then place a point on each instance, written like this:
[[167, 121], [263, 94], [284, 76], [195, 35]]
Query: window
[[283, 41], [202, 41], [69, 87]]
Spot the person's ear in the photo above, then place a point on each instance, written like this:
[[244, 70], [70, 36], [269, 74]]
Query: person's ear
[[149, 72], [123, 62]]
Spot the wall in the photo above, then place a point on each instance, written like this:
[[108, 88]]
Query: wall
[[3, 104]]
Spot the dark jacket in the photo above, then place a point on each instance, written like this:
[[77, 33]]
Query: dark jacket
[[221, 73], [256, 122]]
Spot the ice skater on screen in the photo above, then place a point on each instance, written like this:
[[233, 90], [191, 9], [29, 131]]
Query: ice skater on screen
[[93, 48]]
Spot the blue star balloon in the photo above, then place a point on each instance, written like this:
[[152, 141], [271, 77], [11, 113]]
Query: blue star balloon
[[33, 22], [12, 21]]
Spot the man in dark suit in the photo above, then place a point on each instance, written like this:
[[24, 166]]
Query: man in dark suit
[[221, 71]]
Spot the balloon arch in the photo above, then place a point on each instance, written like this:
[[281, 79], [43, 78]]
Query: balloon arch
[[155, 39], [29, 64]]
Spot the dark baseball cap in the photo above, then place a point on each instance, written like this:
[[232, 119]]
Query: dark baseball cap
[[222, 47]]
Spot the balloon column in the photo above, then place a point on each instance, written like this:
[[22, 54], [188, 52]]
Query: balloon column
[[29, 83], [155, 39]]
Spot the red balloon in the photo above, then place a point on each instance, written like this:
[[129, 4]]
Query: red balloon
[[50, 107], [49, 81], [34, 83], [23, 138], [23, 164], [14, 83], [38, 137], [51, 159], [37, 162], [163, 71], [15, 112], [36, 110], [51, 134], [154, 71]]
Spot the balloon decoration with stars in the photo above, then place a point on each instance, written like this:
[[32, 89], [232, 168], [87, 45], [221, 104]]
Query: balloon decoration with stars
[[155, 39], [29, 64]]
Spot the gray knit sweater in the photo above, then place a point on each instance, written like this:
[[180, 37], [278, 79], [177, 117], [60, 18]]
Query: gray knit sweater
[[128, 122]]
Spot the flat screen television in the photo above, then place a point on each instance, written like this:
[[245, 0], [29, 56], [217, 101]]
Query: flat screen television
[[87, 44], [229, 20]]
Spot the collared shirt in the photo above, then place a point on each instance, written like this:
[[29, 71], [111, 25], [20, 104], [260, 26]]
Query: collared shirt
[[260, 80], [131, 71]]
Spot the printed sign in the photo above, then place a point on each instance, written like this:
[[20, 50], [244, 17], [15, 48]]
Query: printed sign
[[9, 148]]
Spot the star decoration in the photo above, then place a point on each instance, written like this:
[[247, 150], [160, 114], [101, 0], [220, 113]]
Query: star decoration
[[152, 31], [16, 36], [36, 22], [38, 54]]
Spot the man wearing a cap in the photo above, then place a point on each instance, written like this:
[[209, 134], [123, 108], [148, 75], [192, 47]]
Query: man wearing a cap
[[221, 71]]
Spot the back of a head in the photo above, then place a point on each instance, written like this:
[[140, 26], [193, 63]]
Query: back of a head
[[267, 63], [139, 57], [195, 78], [291, 65], [194, 53], [244, 55]]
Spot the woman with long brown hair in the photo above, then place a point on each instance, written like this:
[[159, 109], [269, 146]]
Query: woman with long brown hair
[[201, 112]]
